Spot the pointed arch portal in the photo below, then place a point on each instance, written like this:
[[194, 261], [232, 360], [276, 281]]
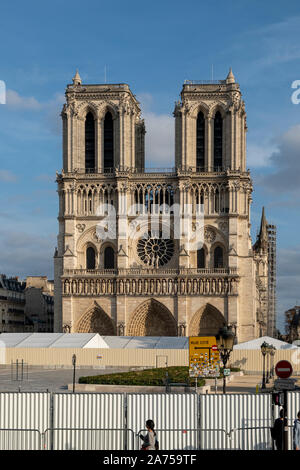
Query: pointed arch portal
[[96, 320], [152, 318], [207, 321]]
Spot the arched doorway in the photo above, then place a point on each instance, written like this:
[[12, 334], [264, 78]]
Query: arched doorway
[[206, 321], [152, 318], [95, 320]]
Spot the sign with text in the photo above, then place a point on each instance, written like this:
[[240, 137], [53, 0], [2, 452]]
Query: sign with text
[[285, 384], [204, 357]]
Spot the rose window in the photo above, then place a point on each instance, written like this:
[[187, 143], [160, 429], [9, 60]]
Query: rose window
[[155, 252]]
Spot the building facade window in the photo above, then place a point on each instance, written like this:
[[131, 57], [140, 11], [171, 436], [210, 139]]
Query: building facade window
[[109, 258], [218, 257], [90, 258], [89, 143], [218, 141], [200, 157], [201, 259], [108, 142]]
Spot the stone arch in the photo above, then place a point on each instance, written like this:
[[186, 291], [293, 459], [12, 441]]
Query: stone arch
[[108, 107], [206, 321], [95, 320], [86, 107], [218, 107], [199, 107], [152, 318]]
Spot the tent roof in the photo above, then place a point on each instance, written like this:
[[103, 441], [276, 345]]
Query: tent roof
[[51, 340], [146, 342], [256, 343]]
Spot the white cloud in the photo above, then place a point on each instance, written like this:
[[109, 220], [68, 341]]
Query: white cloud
[[276, 42], [159, 140], [286, 162], [45, 178], [14, 100], [7, 176], [288, 281], [25, 254], [259, 155]]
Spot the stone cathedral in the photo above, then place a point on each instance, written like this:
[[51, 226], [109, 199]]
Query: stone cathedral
[[153, 284]]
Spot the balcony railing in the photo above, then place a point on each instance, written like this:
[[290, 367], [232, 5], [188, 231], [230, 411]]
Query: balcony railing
[[170, 171], [151, 271], [204, 82]]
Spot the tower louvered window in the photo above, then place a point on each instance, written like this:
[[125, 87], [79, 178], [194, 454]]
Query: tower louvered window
[[89, 143], [218, 141], [108, 142], [200, 142]]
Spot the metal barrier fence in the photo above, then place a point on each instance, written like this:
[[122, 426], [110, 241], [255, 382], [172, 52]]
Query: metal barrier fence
[[252, 438], [94, 421], [186, 439], [88, 439], [20, 439]]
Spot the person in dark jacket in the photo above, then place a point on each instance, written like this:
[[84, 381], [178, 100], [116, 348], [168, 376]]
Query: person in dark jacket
[[278, 430], [296, 433], [149, 440]]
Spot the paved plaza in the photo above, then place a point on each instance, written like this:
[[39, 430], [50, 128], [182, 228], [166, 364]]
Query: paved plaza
[[57, 380]]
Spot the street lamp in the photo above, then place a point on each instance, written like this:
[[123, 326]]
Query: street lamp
[[272, 352], [225, 341], [74, 370], [263, 349], [268, 363]]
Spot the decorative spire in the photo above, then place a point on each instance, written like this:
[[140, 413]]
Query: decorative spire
[[76, 79], [230, 77], [262, 240]]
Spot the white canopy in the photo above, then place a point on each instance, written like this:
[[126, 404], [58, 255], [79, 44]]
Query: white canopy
[[52, 340], [256, 343]]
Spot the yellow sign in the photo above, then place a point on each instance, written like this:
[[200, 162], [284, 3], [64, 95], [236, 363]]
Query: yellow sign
[[204, 357]]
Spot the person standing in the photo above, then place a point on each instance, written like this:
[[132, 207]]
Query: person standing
[[278, 430], [296, 433], [149, 440]]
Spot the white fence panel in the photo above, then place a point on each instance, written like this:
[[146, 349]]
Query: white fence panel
[[246, 418], [174, 416], [23, 418], [87, 421], [293, 409]]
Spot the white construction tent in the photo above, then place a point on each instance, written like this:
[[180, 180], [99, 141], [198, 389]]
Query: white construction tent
[[256, 344], [52, 340], [91, 340]]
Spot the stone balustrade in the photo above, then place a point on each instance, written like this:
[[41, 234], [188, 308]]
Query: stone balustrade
[[153, 286]]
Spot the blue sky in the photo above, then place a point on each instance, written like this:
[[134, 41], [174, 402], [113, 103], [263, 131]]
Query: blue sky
[[153, 47]]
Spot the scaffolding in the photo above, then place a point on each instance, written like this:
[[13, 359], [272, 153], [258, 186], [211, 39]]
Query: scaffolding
[[271, 322]]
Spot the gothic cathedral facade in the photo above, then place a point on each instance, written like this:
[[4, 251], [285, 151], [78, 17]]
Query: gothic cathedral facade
[[152, 284]]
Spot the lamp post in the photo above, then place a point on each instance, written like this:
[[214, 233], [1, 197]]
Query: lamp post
[[272, 352], [268, 363], [74, 370], [225, 341], [263, 349]]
